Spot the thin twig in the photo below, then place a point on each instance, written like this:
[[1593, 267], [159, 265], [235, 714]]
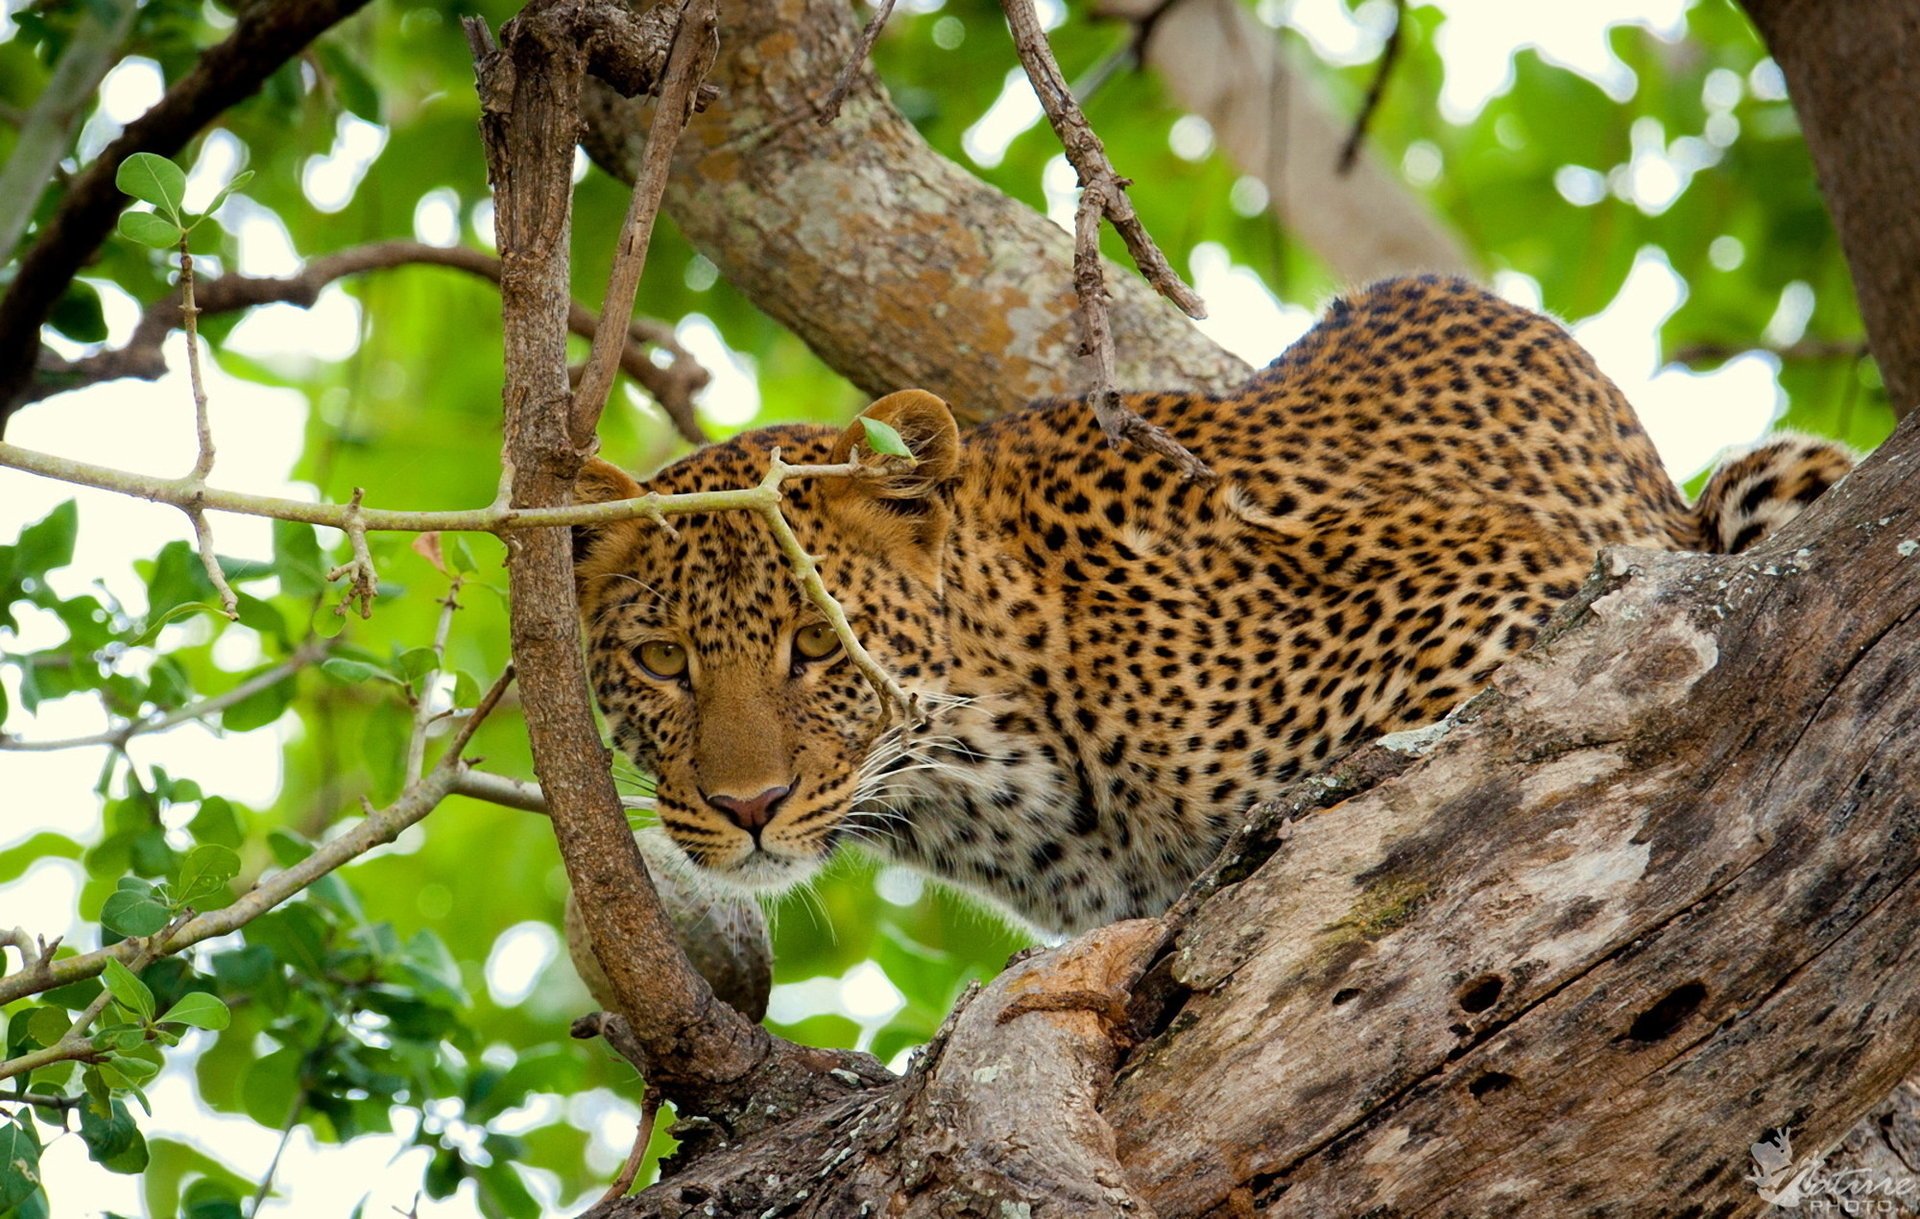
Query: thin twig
[[423, 698], [1805, 349], [377, 829], [307, 653], [642, 1137], [76, 1044], [518, 793], [806, 571], [363, 581], [763, 498], [1102, 193], [673, 387], [1088, 155], [294, 1111], [829, 108], [695, 44], [203, 432], [1382, 70]]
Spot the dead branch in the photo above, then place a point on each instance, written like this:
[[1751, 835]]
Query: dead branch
[[672, 387], [829, 109], [1102, 193], [1382, 70], [695, 43]]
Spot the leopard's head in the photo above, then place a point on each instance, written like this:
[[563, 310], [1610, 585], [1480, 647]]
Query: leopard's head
[[719, 677]]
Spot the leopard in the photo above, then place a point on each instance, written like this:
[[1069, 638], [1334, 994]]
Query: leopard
[[1115, 662]]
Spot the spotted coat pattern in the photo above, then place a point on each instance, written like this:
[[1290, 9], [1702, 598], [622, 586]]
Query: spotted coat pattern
[[1121, 662]]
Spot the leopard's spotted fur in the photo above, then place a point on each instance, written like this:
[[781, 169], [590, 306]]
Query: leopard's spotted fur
[[1122, 662]]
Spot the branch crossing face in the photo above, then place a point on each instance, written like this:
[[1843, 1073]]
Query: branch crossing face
[[1119, 662]]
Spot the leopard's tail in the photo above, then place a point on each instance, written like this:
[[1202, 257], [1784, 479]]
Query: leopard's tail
[[1760, 489]]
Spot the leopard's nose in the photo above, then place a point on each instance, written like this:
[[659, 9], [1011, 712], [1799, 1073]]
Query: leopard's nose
[[751, 813]]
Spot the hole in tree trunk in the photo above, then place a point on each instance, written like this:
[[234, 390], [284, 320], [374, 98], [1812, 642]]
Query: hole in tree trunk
[[1492, 1081], [1481, 993], [1659, 1021]]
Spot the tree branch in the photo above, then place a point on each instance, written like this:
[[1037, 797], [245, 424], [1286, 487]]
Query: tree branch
[[265, 36], [701, 1053], [306, 654], [672, 387], [46, 131], [377, 829]]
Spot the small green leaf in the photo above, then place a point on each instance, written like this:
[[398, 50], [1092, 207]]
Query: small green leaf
[[216, 822], [153, 179], [112, 1139], [149, 229], [128, 989], [183, 610], [417, 663], [459, 556], [132, 912], [239, 180], [206, 868], [47, 1025], [48, 542], [19, 1163], [199, 1009], [77, 314], [343, 670], [882, 438]]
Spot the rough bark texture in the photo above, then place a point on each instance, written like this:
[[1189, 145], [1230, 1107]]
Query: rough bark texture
[[894, 264], [1267, 110], [1571, 954], [1853, 71]]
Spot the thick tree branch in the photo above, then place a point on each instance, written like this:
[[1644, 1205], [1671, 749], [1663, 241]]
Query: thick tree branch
[[1853, 72], [266, 36], [703, 1055], [894, 264], [672, 387]]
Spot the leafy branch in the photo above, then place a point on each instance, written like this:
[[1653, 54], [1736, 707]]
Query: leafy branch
[[378, 828]]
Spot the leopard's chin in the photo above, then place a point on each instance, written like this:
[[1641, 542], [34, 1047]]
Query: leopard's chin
[[759, 871]]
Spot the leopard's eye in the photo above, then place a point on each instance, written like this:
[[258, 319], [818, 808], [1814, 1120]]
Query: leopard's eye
[[815, 642], [666, 661]]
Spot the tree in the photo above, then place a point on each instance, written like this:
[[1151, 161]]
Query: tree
[[767, 195]]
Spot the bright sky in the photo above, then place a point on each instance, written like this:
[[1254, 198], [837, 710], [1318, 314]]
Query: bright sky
[[148, 427]]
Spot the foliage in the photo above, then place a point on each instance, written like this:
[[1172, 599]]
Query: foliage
[[363, 1007]]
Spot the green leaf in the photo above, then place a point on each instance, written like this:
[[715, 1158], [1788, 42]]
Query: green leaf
[[417, 663], [882, 438], [112, 1139], [15, 861], [19, 1163], [133, 912], [153, 179], [296, 559], [199, 1009], [128, 989], [342, 669], [459, 554], [271, 1085], [183, 610], [239, 180], [217, 823], [77, 314], [48, 542], [149, 229], [47, 1025], [207, 867], [260, 708]]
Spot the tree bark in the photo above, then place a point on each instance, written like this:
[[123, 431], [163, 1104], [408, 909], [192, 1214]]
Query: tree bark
[[1853, 72], [895, 265]]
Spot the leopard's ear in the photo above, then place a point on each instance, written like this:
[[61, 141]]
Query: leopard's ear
[[926, 425], [597, 483]]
